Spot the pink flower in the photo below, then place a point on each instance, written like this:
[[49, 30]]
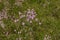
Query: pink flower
[[30, 15], [33, 16]]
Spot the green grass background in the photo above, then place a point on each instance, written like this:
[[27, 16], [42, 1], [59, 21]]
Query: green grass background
[[49, 15]]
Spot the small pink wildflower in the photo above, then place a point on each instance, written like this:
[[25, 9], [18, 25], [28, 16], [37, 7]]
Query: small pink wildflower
[[31, 14], [32, 17]]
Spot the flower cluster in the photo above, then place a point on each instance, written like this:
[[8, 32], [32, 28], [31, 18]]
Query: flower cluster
[[29, 16]]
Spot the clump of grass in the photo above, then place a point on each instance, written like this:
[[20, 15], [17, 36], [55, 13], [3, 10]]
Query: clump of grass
[[1, 6]]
